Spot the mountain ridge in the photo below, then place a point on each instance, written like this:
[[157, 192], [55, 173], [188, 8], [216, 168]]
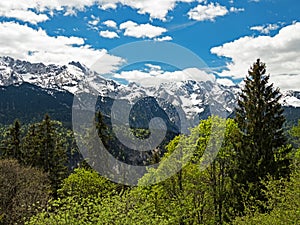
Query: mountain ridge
[[197, 99]]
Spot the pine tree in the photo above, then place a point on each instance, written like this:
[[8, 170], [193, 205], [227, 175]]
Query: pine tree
[[102, 128], [95, 141], [260, 148], [53, 151], [31, 147], [12, 142], [45, 147]]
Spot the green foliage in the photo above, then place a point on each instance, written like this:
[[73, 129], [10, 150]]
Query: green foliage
[[198, 193], [295, 133], [24, 191], [195, 195], [115, 209], [83, 183], [283, 201]]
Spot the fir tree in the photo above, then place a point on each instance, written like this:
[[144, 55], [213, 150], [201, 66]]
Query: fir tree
[[31, 147], [12, 142], [102, 128], [53, 151], [260, 148], [45, 147]]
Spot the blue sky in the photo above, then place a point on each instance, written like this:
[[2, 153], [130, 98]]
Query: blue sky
[[228, 35]]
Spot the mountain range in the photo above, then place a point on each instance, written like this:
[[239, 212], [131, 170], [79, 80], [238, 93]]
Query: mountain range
[[29, 90]]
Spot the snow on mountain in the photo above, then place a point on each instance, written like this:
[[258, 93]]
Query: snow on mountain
[[8, 76], [291, 98], [191, 96]]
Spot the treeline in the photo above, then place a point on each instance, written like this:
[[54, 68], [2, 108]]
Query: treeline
[[237, 171], [34, 160]]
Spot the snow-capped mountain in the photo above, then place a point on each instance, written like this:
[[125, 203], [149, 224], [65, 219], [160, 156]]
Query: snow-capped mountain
[[291, 98], [191, 96], [196, 99]]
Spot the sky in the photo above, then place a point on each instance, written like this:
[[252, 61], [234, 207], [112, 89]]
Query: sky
[[227, 35]]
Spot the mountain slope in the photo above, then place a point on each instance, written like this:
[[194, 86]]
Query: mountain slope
[[30, 103]]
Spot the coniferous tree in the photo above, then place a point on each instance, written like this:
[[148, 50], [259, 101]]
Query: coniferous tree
[[52, 151], [261, 146], [102, 129], [12, 142], [31, 147], [45, 147]]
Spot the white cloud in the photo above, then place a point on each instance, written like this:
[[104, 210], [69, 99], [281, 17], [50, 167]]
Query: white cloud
[[18, 41], [95, 21], [157, 9], [26, 16], [133, 29], [265, 29], [207, 12], [107, 6], [165, 38], [108, 34], [281, 54], [110, 23], [152, 67], [155, 76], [236, 10], [225, 82], [35, 11]]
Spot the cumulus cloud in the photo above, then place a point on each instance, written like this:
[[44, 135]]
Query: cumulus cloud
[[154, 75], [265, 29], [35, 11], [26, 16], [95, 20], [107, 6], [156, 9], [207, 12], [25, 43], [133, 29], [281, 54], [225, 82], [108, 34], [110, 23], [165, 38], [236, 10]]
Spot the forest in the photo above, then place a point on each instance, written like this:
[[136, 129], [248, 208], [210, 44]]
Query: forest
[[253, 179]]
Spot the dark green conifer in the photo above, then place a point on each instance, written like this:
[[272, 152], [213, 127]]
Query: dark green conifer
[[261, 147], [53, 151], [12, 142], [45, 147]]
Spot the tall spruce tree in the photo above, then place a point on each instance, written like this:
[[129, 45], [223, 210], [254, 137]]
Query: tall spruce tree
[[102, 128], [12, 142], [53, 147], [261, 146], [45, 147]]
